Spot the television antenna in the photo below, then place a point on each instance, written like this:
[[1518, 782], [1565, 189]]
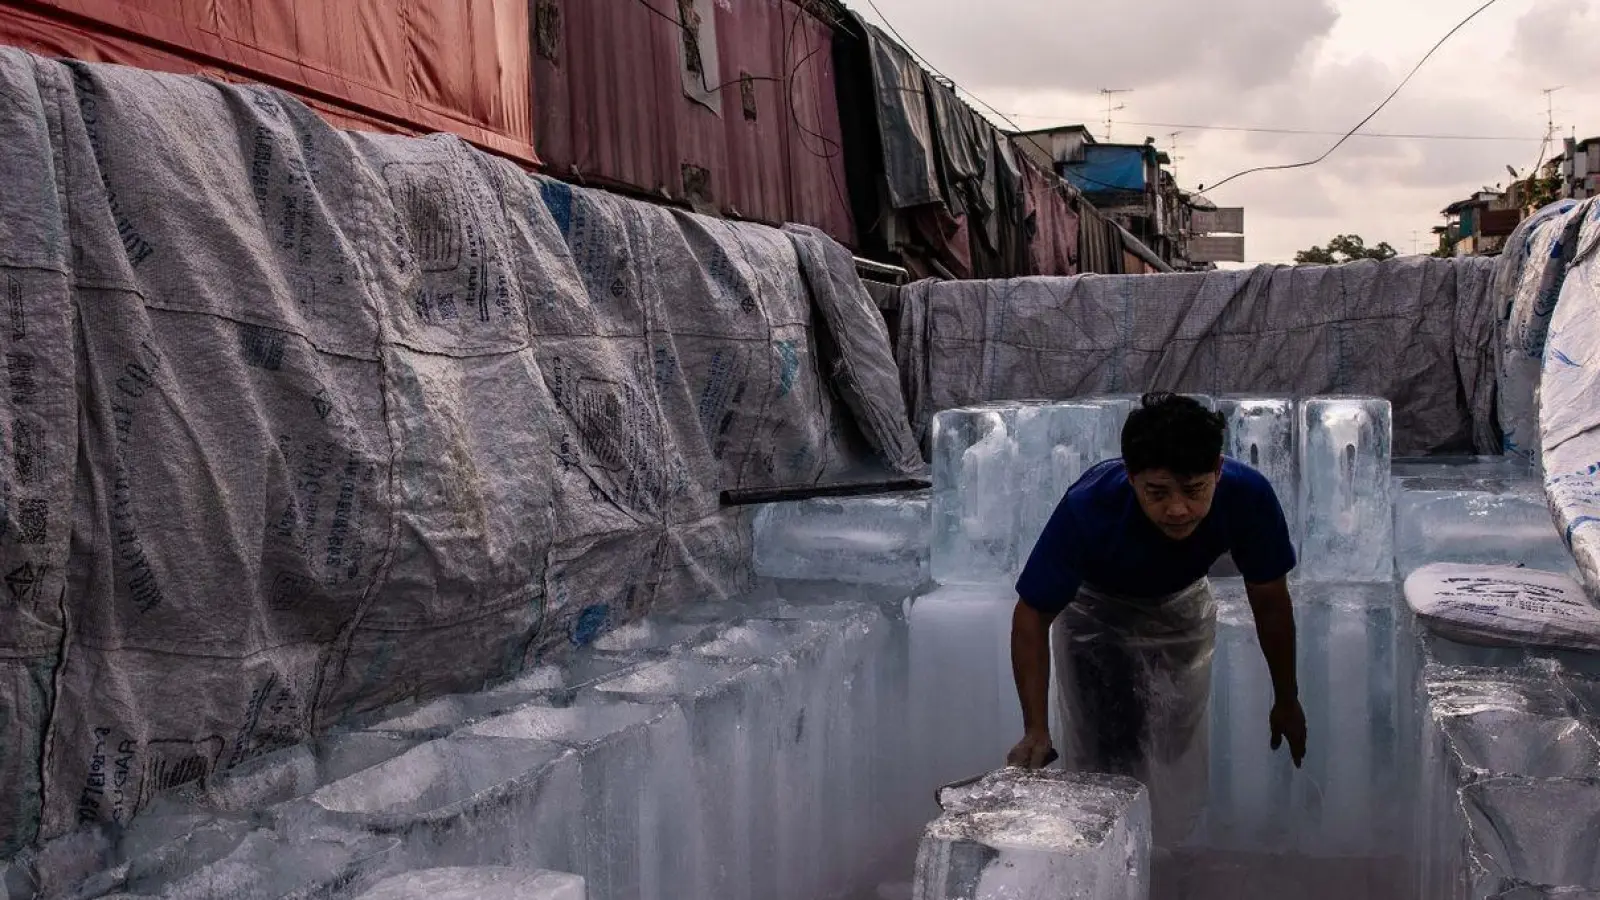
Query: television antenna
[[1112, 105]]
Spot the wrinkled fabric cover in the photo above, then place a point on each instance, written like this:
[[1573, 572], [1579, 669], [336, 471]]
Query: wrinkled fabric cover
[[1527, 285], [301, 423], [1569, 403], [1417, 331]]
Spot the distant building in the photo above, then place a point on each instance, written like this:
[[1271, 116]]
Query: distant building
[[1480, 224], [1579, 169], [1129, 184]]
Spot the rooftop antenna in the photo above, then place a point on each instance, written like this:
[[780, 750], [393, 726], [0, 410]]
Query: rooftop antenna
[[1175, 157], [1549, 126], [1108, 94]]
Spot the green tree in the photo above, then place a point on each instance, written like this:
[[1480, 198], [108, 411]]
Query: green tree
[[1342, 249]]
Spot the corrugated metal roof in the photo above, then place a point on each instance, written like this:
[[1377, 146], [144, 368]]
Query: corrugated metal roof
[[394, 65], [611, 108]]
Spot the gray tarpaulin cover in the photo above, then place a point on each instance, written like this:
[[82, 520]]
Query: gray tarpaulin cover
[[299, 422], [1418, 331]]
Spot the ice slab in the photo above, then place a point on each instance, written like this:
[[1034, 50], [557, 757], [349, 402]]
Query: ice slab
[[977, 496], [538, 680], [1056, 444], [964, 710], [1019, 835], [637, 834], [479, 883], [865, 540], [1345, 501], [1476, 527], [262, 866], [652, 634], [1347, 800], [458, 801], [1463, 467], [760, 639], [438, 718], [1533, 831], [1494, 722], [1261, 434]]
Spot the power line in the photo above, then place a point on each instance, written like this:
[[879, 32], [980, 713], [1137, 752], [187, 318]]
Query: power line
[[1370, 116], [1305, 131]]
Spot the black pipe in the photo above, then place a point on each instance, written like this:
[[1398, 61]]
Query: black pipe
[[790, 493]]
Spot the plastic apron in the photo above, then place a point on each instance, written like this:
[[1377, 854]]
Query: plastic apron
[[1134, 685]]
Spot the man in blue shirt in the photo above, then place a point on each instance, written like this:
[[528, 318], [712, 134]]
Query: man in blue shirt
[[1120, 570]]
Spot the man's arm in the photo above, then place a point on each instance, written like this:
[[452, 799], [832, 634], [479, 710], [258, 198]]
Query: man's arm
[[1030, 666], [1274, 616]]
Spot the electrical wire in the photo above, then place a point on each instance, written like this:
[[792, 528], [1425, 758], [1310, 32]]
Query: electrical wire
[[1304, 131], [1370, 116]]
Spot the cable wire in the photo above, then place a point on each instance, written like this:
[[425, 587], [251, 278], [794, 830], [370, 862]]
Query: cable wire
[[1302, 131], [1370, 116]]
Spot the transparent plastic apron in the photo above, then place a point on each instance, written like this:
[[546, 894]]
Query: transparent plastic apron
[[1134, 684]]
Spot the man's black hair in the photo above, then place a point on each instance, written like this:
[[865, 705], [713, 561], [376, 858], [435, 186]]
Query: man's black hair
[[1172, 432]]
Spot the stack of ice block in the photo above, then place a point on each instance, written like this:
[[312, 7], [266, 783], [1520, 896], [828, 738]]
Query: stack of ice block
[[484, 883], [1019, 835], [1261, 434], [1352, 663], [856, 540], [1056, 444], [1477, 526], [1534, 834], [1345, 490], [965, 714]]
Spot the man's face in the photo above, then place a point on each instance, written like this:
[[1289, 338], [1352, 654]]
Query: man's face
[[1175, 504]]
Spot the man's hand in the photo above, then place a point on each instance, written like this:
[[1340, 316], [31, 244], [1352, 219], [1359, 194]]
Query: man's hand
[[1288, 722], [1035, 751]]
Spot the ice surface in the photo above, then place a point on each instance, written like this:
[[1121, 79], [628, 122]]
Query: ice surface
[[458, 801], [1463, 467], [964, 710], [866, 540], [652, 634], [1018, 835], [1534, 831], [638, 835], [1056, 444], [1347, 799], [264, 866], [480, 883], [1345, 490], [1476, 527], [439, 717], [977, 496], [540, 679], [1494, 722], [759, 639], [1261, 434]]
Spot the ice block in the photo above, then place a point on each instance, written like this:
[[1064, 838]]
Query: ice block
[[1534, 831], [481, 883], [1056, 444], [859, 540], [1466, 526], [1261, 434], [1345, 490], [637, 834], [977, 496], [1019, 835]]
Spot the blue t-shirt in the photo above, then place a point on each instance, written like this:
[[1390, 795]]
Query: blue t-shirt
[[1099, 535]]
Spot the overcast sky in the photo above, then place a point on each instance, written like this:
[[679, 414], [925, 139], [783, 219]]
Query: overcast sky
[[1318, 65]]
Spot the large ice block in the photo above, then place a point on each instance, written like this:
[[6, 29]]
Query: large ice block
[[1345, 490], [861, 540], [459, 801], [265, 866], [976, 496], [637, 834], [649, 637], [1044, 835], [964, 709], [1348, 798], [440, 717], [1261, 434], [1468, 526], [1497, 722], [732, 722], [480, 883], [1056, 444], [1535, 831]]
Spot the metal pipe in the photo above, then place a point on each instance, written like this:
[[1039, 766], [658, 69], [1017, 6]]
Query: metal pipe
[[791, 493]]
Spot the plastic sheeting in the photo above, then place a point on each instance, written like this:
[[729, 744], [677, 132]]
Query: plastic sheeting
[[302, 423], [1135, 683], [1417, 331], [1569, 402], [1528, 278]]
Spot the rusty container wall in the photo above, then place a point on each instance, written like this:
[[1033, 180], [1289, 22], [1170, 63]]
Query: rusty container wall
[[406, 66], [760, 138]]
